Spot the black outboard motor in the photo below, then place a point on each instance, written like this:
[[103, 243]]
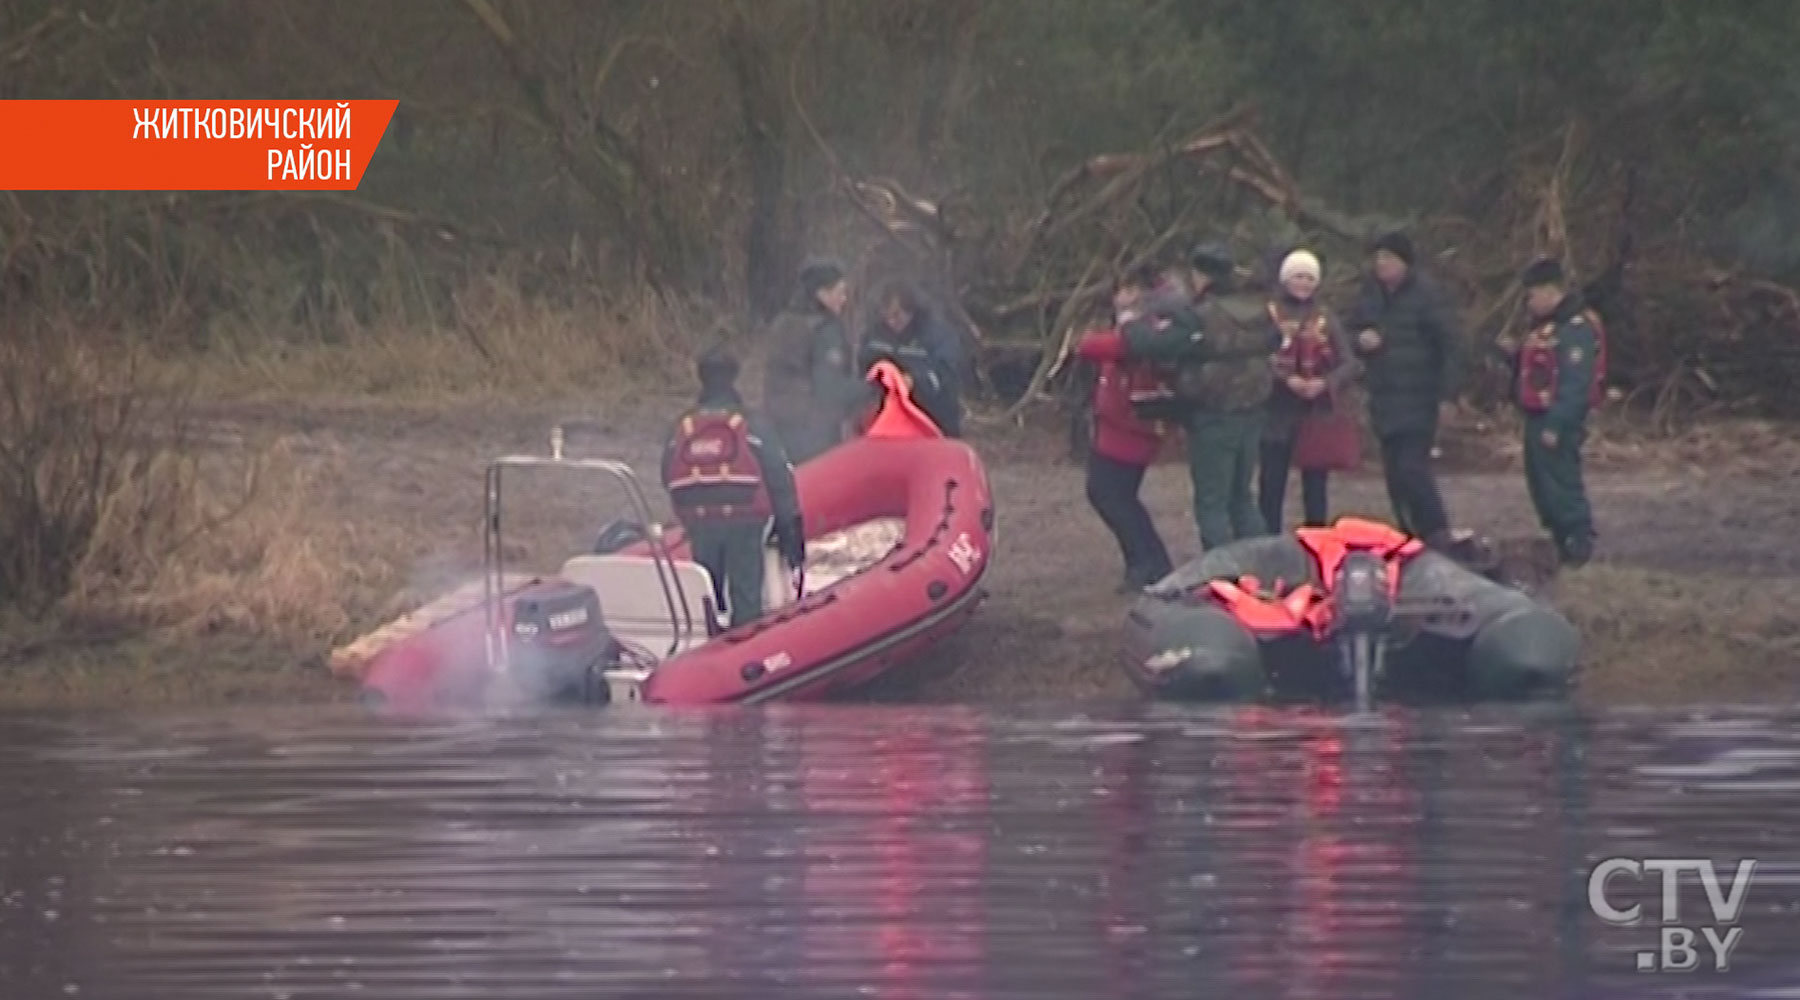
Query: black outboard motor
[[1363, 613], [560, 645]]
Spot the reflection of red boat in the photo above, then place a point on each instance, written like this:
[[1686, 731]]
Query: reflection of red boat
[[895, 859], [639, 622]]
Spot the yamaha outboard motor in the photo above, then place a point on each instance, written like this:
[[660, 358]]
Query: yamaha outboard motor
[[559, 644], [1363, 613]]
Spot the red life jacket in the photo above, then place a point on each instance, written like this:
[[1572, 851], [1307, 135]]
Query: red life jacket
[[1306, 349], [711, 472], [1122, 393], [1274, 611], [1146, 389], [1539, 365]]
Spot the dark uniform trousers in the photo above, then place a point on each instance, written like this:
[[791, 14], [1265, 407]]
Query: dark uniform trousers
[[1554, 478], [1112, 489], [732, 551]]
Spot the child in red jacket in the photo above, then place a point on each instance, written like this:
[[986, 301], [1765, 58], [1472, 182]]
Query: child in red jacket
[[1127, 438]]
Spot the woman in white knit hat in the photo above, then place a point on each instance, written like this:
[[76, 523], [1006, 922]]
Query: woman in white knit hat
[[1308, 425]]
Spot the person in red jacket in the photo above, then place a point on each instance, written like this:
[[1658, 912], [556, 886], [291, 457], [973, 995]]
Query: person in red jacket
[[1131, 422]]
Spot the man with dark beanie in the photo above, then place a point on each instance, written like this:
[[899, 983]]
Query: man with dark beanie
[[810, 386], [726, 481], [1559, 372], [1407, 338]]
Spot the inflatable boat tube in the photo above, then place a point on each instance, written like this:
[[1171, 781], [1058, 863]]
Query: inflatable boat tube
[[630, 621], [1480, 639], [844, 635]]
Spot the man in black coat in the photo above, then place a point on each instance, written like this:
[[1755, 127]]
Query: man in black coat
[[1407, 338]]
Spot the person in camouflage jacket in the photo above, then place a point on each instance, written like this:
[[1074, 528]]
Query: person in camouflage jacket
[[1218, 352]]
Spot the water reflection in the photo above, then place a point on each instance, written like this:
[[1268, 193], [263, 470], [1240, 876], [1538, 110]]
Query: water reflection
[[874, 852]]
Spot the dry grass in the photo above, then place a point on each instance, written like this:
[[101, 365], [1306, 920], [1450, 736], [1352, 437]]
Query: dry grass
[[235, 561], [1657, 637], [252, 578], [496, 343], [128, 536], [255, 555]]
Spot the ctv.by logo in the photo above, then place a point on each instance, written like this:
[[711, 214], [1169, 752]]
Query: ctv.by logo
[[1677, 952]]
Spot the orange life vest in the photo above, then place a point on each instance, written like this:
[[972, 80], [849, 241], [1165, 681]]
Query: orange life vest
[[897, 416], [711, 472], [1273, 611]]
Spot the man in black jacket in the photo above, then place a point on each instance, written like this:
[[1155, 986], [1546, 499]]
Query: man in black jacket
[[1407, 338]]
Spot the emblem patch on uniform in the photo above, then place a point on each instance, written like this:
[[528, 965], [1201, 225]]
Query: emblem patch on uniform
[[1574, 355]]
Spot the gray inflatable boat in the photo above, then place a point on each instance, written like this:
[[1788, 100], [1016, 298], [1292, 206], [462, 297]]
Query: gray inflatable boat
[[1355, 610]]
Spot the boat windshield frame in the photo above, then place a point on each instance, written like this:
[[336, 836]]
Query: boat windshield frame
[[493, 558]]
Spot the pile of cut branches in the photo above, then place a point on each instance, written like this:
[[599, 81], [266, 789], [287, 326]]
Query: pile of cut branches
[[1687, 335]]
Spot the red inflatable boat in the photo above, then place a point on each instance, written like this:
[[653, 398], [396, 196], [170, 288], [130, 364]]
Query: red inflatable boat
[[638, 622]]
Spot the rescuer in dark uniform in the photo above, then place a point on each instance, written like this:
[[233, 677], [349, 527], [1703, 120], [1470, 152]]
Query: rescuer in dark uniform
[[725, 481], [1559, 374]]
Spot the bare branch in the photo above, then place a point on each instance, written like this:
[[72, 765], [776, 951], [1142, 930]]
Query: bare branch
[[1051, 359]]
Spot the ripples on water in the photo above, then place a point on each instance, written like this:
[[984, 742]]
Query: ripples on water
[[842, 852]]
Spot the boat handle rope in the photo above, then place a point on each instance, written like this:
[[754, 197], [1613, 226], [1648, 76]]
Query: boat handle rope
[[938, 531]]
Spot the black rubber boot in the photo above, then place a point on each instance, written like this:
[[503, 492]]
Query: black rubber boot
[[1576, 550]]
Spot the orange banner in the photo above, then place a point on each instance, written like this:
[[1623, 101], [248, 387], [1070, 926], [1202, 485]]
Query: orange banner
[[189, 145]]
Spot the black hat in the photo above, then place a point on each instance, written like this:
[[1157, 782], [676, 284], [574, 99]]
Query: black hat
[[1543, 271], [819, 272], [1212, 258], [717, 366], [1395, 242]]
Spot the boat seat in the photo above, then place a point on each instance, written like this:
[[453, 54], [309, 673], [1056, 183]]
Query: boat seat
[[633, 604]]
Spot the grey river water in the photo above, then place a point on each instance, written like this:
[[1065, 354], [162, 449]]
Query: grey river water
[[883, 852]]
